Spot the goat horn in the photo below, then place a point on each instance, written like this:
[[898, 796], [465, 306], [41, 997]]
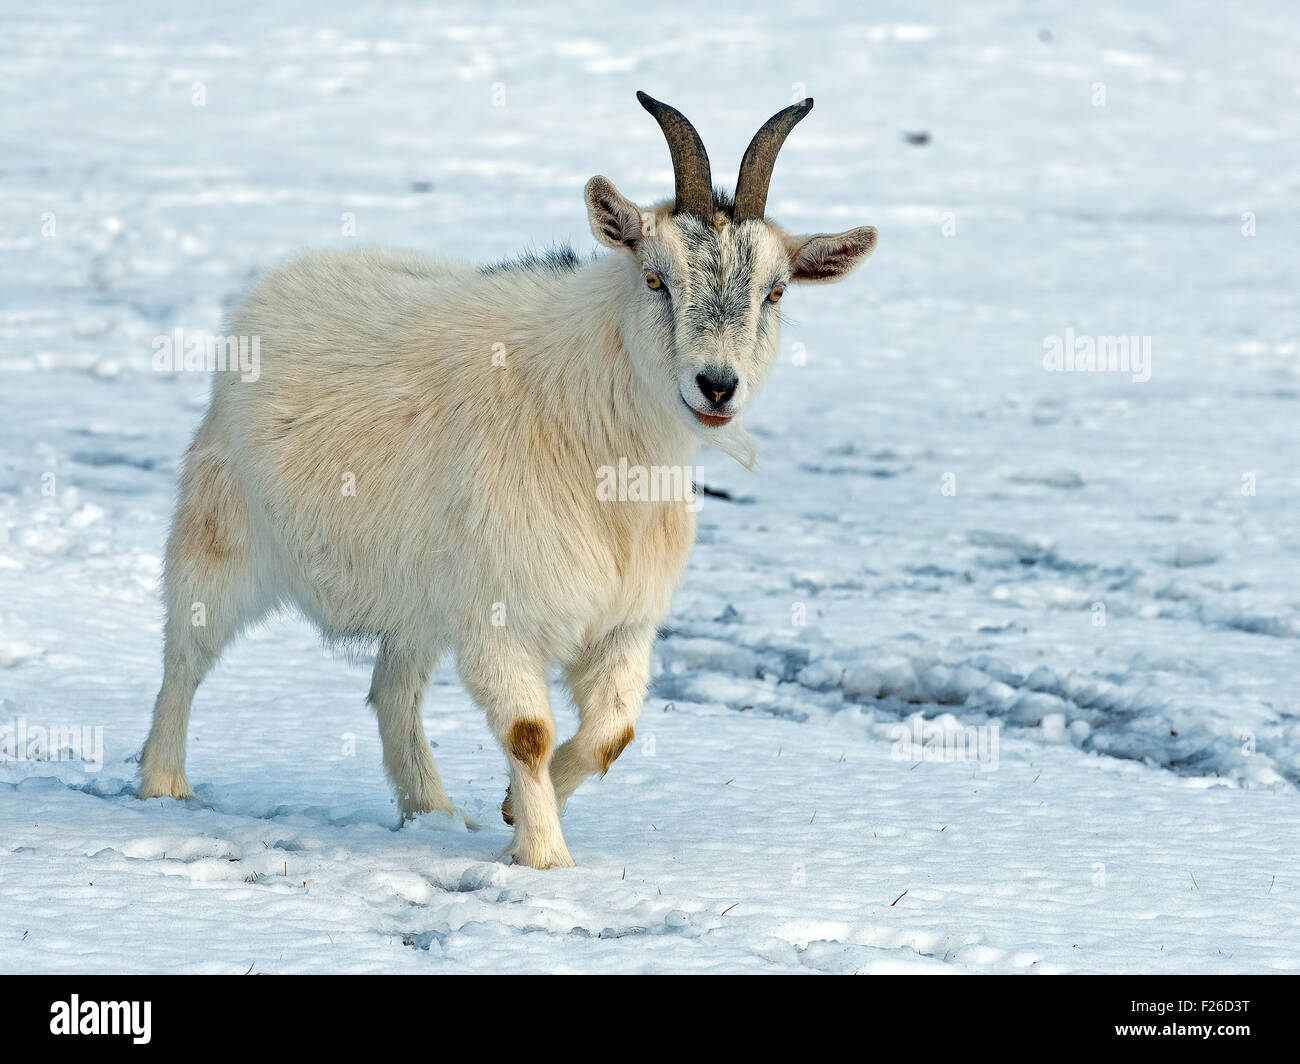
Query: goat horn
[[694, 185], [760, 157]]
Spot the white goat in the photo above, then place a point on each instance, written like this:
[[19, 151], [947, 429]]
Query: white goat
[[417, 464]]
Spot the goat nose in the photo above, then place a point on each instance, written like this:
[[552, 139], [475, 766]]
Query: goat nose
[[717, 386]]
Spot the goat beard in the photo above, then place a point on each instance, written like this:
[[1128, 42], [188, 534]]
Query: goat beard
[[736, 443]]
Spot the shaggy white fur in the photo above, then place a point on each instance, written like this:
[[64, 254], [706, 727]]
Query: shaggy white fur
[[417, 463]]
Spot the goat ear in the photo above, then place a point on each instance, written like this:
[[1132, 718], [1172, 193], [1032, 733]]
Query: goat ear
[[829, 256], [615, 221]]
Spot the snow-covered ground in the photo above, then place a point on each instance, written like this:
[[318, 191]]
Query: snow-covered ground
[[1095, 573]]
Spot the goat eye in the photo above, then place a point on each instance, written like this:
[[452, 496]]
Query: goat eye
[[777, 292], [654, 281]]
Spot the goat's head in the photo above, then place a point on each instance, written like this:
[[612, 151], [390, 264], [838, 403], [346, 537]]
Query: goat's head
[[708, 272]]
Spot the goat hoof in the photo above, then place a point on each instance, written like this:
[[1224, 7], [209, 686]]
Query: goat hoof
[[411, 811], [165, 785], [541, 853]]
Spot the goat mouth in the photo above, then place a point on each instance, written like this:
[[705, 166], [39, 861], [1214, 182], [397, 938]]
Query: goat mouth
[[712, 420]]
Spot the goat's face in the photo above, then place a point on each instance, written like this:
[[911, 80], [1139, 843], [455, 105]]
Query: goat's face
[[702, 315], [705, 284]]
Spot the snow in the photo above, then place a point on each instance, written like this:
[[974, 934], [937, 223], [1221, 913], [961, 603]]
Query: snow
[[1039, 714]]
